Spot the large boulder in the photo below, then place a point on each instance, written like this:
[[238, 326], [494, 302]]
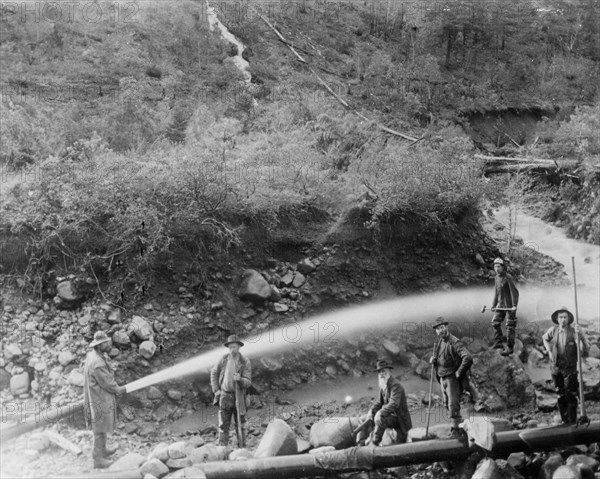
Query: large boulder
[[154, 467], [121, 338], [19, 383], [567, 472], [487, 469], [177, 450], [208, 453], [147, 349], [141, 328], [500, 382], [254, 287], [333, 431], [278, 440], [128, 462], [160, 452], [67, 291], [589, 461], [591, 377], [66, 357], [551, 464], [76, 378]]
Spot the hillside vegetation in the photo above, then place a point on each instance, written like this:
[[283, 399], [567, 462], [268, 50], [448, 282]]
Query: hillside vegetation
[[133, 137]]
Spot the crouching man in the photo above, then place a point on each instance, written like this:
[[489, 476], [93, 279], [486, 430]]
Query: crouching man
[[390, 411]]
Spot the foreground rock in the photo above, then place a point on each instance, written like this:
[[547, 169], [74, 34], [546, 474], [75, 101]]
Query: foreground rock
[[500, 383], [333, 431], [278, 440]]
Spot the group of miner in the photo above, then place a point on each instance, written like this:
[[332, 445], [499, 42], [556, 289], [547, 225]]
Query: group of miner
[[231, 377]]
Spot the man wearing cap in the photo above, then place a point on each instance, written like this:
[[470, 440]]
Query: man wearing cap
[[232, 372], [506, 296], [451, 361], [391, 409], [99, 395], [560, 342]]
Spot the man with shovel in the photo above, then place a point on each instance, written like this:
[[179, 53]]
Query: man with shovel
[[229, 379], [504, 305], [389, 411], [451, 362], [561, 343], [99, 397]]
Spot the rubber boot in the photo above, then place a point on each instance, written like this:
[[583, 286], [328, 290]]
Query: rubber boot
[[100, 462], [498, 338], [510, 343], [571, 415]]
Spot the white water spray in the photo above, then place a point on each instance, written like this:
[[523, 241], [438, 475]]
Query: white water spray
[[412, 315]]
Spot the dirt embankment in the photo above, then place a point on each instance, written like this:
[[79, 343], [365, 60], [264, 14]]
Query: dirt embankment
[[311, 265]]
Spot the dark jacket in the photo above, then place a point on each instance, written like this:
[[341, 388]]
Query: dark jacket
[[452, 357], [99, 390], [506, 294], [392, 402], [566, 362]]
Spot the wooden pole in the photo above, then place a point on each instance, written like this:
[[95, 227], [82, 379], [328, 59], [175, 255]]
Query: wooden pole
[[583, 417]]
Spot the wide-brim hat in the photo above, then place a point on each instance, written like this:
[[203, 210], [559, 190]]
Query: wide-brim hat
[[234, 338], [99, 338], [439, 321], [562, 310], [383, 364]]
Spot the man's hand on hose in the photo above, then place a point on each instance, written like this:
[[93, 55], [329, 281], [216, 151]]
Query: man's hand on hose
[[217, 397]]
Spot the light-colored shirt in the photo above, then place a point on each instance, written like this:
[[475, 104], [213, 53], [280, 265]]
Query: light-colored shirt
[[230, 369]]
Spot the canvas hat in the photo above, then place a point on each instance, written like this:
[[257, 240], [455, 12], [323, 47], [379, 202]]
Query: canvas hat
[[439, 321], [234, 338], [500, 261], [383, 364], [99, 338], [562, 310]]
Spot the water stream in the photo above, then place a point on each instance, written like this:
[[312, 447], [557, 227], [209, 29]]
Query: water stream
[[238, 60]]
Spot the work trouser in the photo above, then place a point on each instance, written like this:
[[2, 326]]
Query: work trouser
[[452, 389], [511, 326], [381, 423], [99, 450], [227, 411], [567, 388]]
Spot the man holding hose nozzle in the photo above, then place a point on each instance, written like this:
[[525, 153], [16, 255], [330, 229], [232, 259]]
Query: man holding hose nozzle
[[100, 390], [229, 379], [506, 297]]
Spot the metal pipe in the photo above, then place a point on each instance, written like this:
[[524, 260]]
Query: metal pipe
[[41, 418], [367, 458]]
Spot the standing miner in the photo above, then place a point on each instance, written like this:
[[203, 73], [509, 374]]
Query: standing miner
[[451, 361], [390, 411], [560, 342], [100, 390], [229, 379], [506, 297]]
